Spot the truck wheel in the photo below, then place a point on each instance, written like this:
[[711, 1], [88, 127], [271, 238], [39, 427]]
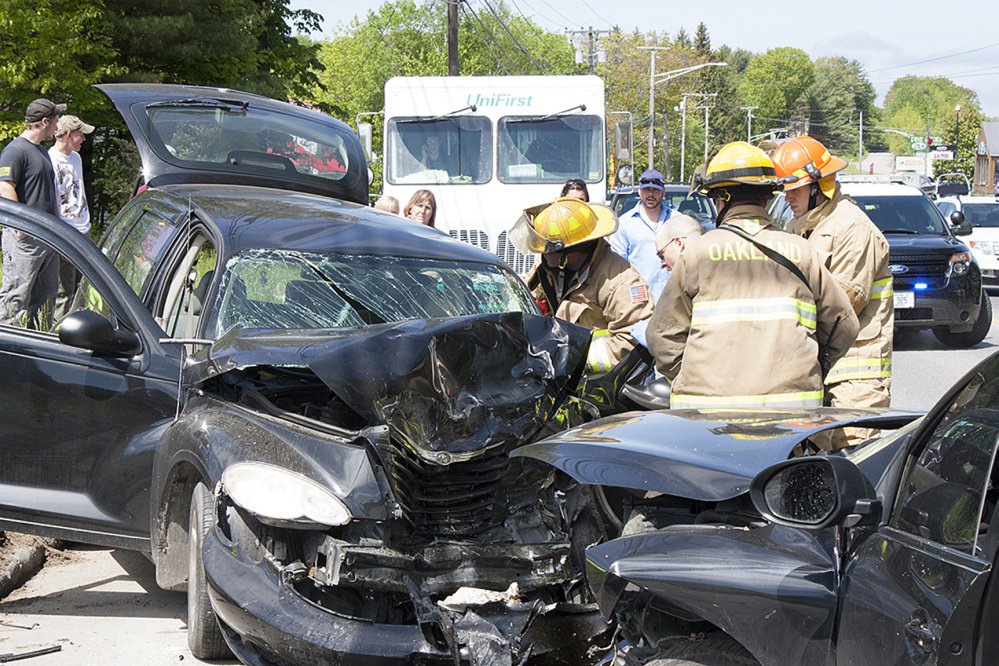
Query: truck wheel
[[712, 651], [977, 333], [204, 637]]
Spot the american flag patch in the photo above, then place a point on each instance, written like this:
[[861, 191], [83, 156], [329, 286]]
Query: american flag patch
[[639, 293]]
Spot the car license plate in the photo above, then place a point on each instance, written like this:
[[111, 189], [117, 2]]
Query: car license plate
[[905, 299]]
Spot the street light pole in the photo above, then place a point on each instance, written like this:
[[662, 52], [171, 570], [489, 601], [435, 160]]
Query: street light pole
[[749, 121], [957, 132]]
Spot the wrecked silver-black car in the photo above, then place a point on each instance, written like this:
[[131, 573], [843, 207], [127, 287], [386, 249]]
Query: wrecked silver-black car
[[300, 407]]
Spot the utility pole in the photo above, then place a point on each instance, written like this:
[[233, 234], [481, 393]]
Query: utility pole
[[709, 104], [592, 54], [452, 37], [860, 145], [749, 121], [683, 133], [652, 97]]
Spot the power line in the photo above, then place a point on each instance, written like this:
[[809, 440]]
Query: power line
[[921, 62], [597, 15], [534, 11], [557, 12], [510, 34], [489, 49]]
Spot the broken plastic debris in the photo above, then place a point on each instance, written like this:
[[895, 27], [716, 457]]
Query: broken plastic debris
[[476, 596]]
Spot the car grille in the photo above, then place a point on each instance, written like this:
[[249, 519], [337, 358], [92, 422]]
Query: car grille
[[474, 237], [519, 262], [462, 498], [931, 269]]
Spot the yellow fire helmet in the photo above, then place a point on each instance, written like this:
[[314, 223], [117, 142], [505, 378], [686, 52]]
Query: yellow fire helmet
[[739, 163], [561, 224]]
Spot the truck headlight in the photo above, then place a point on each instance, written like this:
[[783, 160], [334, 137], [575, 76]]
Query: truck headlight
[[280, 497], [959, 263]]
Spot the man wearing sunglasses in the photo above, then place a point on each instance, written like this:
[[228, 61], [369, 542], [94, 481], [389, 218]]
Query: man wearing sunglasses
[[635, 239]]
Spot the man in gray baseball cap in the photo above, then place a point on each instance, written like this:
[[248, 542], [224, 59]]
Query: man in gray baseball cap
[[30, 268]]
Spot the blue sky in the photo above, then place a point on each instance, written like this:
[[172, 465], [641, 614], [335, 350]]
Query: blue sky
[[891, 38]]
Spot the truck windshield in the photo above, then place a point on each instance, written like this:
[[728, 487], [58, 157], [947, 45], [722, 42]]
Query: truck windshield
[[550, 150], [424, 151]]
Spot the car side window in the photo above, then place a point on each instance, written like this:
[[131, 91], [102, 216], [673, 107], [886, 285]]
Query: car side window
[[947, 494], [142, 248], [946, 208]]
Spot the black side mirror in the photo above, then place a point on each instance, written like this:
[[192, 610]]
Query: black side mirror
[[964, 228], [814, 493], [90, 330]]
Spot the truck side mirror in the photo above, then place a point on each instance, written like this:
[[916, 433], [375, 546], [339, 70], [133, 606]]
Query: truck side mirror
[[364, 133]]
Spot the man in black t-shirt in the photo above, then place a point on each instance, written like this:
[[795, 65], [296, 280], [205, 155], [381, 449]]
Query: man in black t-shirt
[[30, 268]]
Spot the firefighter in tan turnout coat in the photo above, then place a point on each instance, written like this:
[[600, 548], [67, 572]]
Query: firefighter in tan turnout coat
[[856, 253], [580, 279], [736, 327]]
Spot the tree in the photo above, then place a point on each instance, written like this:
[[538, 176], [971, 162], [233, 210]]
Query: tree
[[774, 81], [840, 93]]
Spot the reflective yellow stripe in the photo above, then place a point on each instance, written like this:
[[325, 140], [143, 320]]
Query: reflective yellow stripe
[[859, 368], [804, 399], [753, 309], [882, 288], [599, 357]]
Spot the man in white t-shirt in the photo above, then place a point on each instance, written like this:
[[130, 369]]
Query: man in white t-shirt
[[70, 134]]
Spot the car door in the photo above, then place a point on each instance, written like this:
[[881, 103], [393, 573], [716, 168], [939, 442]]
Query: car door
[[80, 427], [912, 591]]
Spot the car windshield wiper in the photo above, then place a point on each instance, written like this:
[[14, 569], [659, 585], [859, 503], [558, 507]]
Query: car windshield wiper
[[550, 116], [444, 116], [225, 104], [899, 231]]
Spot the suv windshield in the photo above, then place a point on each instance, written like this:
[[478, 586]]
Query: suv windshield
[[305, 290], [903, 215], [552, 150], [423, 151]]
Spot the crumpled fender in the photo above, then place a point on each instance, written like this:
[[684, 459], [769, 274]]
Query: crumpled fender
[[703, 455], [773, 589]]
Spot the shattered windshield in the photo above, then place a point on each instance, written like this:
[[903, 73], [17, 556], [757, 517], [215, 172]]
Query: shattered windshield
[[284, 289]]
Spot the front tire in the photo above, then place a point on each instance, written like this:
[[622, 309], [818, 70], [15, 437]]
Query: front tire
[[204, 636], [977, 333]]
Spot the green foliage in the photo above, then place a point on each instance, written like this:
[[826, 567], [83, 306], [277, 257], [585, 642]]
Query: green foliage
[[841, 91], [776, 80]]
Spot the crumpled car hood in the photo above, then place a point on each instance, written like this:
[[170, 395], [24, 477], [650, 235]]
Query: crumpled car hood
[[456, 385], [704, 455]]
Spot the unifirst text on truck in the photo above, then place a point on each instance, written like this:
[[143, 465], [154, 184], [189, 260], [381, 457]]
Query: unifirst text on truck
[[490, 146]]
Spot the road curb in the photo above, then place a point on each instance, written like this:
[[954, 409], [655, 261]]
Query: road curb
[[21, 565]]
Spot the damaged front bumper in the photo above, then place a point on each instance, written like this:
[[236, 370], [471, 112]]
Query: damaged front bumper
[[266, 620]]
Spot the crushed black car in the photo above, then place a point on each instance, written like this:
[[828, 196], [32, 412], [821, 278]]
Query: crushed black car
[[300, 407], [733, 554]]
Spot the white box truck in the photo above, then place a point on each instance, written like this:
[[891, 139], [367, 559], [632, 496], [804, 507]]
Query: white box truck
[[490, 146]]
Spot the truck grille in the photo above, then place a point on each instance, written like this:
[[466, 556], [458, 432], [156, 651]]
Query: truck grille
[[932, 269], [459, 499]]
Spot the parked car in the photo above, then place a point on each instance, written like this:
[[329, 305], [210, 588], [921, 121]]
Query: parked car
[[300, 407], [676, 196], [937, 283], [883, 555], [982, 212]]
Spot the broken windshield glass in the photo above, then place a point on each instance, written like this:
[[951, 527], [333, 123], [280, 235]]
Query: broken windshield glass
[[284, 289]]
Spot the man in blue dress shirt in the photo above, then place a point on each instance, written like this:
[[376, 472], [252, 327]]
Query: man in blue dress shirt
[[635, 239]]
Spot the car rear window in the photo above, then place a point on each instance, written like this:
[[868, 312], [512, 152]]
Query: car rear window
[[280, 289], [982, 215]]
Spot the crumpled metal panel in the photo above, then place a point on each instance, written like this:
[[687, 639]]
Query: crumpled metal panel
[[457, 385], [779, 602], [704, 455]]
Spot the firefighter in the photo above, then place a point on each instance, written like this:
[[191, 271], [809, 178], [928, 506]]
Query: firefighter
[[856, 253], [580, 279], [749, 309]]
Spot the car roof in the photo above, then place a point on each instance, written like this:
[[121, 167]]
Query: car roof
[[970, 199], [256, 217], [671, 187], [881, 190]]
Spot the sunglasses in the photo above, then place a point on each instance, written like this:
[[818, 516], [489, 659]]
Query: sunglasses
[[652, 181], [661, 252]]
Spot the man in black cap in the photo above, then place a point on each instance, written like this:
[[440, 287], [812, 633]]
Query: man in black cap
[[30, 268]]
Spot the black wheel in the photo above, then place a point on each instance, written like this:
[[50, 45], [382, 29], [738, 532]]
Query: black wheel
[[977, 333], [204, 637], [711, 651]]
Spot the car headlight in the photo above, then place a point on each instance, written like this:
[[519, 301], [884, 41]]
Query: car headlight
[[959, 263], [280, 497]]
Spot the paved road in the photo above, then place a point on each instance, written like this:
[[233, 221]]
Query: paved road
[[103, 607]]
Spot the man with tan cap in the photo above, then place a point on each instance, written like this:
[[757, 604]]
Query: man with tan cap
[[70, 134], [580, 279], [30, 268]]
